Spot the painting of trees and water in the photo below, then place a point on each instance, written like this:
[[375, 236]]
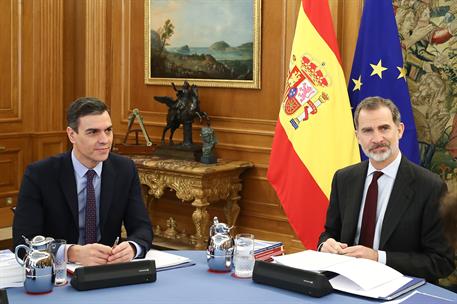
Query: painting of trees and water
[[212, 42]]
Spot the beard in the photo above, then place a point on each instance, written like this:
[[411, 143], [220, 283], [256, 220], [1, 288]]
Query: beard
[[379, 157]]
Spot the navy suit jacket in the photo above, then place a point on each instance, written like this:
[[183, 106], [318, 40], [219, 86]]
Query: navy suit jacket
[[48, 203], [412, 232]]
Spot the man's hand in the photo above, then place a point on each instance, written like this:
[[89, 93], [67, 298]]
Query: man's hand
[[360, 251], [89, 255], [332, 246], [123, 252]]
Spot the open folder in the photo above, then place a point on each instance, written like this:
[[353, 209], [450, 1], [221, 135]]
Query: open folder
[[163, 261], [362, 277]]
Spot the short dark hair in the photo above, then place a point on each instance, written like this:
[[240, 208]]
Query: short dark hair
[[374, 103], [84, 106]]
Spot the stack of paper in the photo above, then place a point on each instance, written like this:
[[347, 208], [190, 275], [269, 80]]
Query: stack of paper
[[266, 250], [358, 276], [163, 261], [11, 273]]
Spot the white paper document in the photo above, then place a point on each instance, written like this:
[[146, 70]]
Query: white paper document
[[358, 276], [311, 260], [11, 273], [163, 260]]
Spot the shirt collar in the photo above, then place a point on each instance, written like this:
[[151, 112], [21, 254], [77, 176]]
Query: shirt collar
[[81, 170], [391, 170]]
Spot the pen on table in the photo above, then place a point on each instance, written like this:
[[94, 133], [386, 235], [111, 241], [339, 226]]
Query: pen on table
[[115, 243]]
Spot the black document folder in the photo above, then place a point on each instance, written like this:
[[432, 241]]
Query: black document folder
[[356, 276]]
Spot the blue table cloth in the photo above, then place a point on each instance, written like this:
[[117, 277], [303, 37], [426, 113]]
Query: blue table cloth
[[195, 285]]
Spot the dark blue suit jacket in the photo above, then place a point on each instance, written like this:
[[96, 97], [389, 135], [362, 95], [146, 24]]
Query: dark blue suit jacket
[[412, 232], [48, 203]]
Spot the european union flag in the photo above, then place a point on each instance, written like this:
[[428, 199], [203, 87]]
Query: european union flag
[[378, 70]]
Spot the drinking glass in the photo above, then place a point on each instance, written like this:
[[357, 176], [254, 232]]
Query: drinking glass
[[59, 254], [243, 259]]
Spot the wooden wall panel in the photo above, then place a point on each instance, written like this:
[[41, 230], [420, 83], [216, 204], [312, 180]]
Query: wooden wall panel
[[31, 91], [6, 52], [86, 50], [31, 68], [48, 144], [351, 12], [71, 52], [9, 162], [54, 51], [244, 119], [47, 73], [14, 155], [240, 103], [10, 92], [120, 62], [96, 48], [6, 218]]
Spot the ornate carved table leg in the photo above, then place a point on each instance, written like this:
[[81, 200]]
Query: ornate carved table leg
[[201, 218], [148, 198], [232, 209]]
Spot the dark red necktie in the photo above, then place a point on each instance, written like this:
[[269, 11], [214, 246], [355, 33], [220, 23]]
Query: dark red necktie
[[369, 212], [91, 209]]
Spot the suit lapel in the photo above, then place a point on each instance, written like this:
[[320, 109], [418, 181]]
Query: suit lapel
[[68, 183], [399, 201], [107, 189], [353, 202]]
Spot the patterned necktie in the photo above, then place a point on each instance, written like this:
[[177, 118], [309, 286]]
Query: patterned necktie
[[369, 212], [91, 209]]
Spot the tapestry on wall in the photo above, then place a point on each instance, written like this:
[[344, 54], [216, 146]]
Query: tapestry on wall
[[428, 31]]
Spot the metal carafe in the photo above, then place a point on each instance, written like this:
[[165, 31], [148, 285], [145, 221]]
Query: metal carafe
[[38, 264], [220, 247]]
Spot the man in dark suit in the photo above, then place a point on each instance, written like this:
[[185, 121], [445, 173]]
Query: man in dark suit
[[386, 209], [85, 195]]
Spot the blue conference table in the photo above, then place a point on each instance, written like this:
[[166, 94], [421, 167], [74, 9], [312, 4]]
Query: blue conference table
[[195, 285]]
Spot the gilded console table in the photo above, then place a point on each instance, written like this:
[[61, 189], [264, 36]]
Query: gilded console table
[[198, 183]]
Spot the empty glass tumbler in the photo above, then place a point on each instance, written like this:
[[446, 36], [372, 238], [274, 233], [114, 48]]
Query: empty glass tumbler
[[243, 258], [59, 253]]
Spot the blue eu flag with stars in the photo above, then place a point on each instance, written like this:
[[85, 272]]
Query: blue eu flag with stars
[[378, 70]]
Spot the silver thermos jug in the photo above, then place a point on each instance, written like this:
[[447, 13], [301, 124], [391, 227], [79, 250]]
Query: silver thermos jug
[[219, 254], [38, 264]]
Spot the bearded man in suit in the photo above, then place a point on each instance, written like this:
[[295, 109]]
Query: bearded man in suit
[[85, 195], [386, 208]]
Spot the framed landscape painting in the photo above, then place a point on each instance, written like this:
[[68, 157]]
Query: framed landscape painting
[[213, 43]]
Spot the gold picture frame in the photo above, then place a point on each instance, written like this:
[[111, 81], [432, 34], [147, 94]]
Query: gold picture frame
[[204, 42]]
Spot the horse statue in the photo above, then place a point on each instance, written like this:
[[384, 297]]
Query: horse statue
[[182, 110]]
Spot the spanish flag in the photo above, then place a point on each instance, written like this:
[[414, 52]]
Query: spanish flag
[[314, 134]]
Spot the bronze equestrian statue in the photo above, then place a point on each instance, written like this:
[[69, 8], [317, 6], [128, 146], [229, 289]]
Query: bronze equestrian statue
[[182, 110]]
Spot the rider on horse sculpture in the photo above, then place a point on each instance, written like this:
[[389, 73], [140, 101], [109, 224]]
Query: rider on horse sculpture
[[183, 110]]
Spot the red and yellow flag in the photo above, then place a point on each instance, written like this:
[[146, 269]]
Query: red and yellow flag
[[314, 135]]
